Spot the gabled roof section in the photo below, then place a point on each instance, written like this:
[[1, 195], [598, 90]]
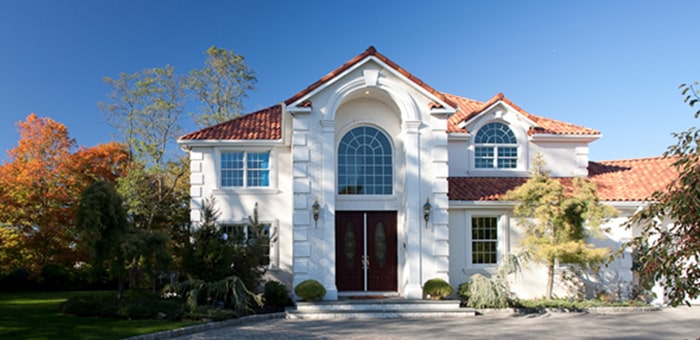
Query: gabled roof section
[[369, 52], [265, 124], [469, 109], [631, 180]]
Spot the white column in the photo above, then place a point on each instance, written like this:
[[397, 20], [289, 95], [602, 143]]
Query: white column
[[414, 207], [326, 198], [301, 219]]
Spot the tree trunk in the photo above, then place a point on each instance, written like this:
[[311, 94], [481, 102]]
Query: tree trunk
[[550, 280]]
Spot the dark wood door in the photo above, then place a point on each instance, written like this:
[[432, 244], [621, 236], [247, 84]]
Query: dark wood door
[[366, 254]]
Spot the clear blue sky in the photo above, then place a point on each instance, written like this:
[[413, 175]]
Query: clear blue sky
[[609, 65]]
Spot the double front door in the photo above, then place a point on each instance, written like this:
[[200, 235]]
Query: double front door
[[366, 255]]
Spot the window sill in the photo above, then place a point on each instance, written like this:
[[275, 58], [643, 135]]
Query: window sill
[[496, 172], [489, 268], [257, 191], [364, 197]]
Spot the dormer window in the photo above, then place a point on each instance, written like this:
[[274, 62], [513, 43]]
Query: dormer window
[[495, 147]]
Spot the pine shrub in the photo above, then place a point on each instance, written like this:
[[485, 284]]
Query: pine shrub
[[276, 294]]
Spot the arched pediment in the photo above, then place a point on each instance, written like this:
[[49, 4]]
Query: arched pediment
[[385, 89]]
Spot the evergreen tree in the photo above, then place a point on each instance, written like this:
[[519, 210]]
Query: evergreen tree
[[558, 221]]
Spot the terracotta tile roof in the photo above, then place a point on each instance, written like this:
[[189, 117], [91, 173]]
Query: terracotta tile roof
[[265, 124], [481, 188], [370, 51], [469, 108], [632, 179], [624, 180]]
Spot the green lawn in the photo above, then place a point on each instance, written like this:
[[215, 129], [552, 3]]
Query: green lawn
[[38, 316]]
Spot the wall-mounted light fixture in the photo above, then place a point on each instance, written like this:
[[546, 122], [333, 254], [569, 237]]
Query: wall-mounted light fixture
[[426, 211], [316, 209]]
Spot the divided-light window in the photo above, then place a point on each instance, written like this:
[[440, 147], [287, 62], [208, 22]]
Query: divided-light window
[[484, 240], [245, 169], [243, 235], [495, 147], [365, 165]]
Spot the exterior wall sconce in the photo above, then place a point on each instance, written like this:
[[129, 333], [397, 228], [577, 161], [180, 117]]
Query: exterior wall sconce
[[426, 211], [316, 209]]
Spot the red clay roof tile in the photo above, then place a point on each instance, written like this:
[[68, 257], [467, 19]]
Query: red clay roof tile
[[265, 124], [469, 108], [624, 180], [632, 179]]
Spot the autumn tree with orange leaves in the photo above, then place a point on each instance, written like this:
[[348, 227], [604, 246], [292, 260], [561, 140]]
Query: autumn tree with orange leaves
[[39, 189]]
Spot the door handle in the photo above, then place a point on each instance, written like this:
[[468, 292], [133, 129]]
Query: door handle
[[365, 262]]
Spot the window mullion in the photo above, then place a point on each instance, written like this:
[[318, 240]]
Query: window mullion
[[245, 171]]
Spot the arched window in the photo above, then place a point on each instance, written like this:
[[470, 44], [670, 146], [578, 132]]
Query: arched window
[[365, 164], [495, 147]]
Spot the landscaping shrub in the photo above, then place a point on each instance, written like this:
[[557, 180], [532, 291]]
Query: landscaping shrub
[[99, 304], [229, 292], [141, 305], [132, 306], [55, 277], [464, 291], [310, 290], [488, 293], [276, 294], [575, 304], [437, 289]]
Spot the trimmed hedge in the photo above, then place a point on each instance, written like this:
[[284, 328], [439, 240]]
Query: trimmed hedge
[[437, 289], [310, 290]]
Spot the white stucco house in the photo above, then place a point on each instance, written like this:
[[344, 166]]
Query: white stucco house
[[343, 173]]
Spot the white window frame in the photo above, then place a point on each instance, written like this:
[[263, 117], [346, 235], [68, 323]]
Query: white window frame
[[392, 154], [495, 148], [271, 188], [273, 234], [501, 238]]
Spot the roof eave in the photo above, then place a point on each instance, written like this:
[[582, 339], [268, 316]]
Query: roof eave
[[187, 144], [553, 137], [458, 135], [492, 204]]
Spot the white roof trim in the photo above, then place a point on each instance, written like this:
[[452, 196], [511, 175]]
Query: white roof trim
[[297, 109], [482, 204], [188, 144], [447, 108], [488, 109], [443, 111], [551, 137], [458, 136], [626, 205]]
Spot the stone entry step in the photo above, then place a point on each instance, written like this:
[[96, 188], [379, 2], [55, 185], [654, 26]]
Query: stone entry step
[[377, 309]]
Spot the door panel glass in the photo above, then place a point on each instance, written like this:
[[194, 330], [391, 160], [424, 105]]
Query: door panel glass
[[350, 245], [380, 244]]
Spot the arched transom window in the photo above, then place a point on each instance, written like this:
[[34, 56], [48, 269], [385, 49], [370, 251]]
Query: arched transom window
[[365, 163], [495, 147]]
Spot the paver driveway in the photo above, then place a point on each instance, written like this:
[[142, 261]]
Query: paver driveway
[[671, 323]]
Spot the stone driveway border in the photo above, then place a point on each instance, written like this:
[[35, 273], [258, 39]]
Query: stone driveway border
[[599, 323]]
